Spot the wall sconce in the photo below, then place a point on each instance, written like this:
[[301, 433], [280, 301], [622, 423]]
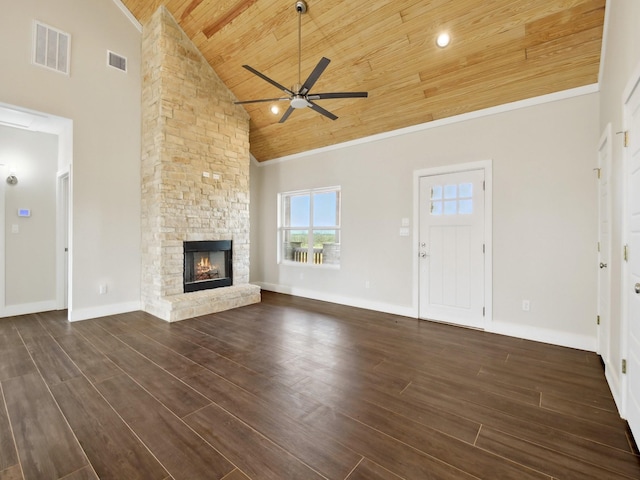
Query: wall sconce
[[12, 179]]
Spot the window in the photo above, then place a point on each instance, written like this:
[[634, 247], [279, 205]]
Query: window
[[309, 226], [452, 199]]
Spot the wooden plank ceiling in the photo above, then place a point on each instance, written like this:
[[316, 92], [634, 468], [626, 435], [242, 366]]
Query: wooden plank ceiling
[[501, 51]]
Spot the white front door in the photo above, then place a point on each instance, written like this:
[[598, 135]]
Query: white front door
[[632, 121], [451, 239], [604, 247]]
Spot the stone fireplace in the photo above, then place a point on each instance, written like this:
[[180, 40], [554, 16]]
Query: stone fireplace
[[195, 176]]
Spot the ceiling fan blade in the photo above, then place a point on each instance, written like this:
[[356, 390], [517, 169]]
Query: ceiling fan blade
[[263, 100], [321, 110], [286, 114], [315, 75], [323, 96], [267, 79]]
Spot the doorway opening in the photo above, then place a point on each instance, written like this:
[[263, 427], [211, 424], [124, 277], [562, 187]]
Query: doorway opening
[[34, 213]]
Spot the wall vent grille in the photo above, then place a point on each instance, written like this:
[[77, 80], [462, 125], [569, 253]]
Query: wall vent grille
[[116, 61], [51, 48]]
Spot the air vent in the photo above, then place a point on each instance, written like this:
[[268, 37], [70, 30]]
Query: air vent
[[116, 61], [51, 48]]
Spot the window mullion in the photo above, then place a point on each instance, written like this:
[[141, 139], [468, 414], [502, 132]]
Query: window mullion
[[310, 231]]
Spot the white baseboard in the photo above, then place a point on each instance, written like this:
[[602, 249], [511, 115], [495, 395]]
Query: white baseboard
[[582, 342], [27, 308], [615, 385], [554, 337], [339, 299], [76, 315]]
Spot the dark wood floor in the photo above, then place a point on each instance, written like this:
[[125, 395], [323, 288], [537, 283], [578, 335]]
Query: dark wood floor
[[298, 389]]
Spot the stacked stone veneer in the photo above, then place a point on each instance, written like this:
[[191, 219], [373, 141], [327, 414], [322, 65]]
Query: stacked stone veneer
[[190, 126]]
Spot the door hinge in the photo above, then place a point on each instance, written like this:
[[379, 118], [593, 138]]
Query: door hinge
[[624, 365], [483, 185], [483, 311], [598, 320], [483, 248], [598, 170], [625, 137], [598, 247], [625, 253]]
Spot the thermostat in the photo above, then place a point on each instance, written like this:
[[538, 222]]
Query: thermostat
[[24, 212]]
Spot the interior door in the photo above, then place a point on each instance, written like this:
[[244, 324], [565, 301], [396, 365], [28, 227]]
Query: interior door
[[632, 117], [604, 247], [451, 278]]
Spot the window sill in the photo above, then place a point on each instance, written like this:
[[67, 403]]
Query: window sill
[[327, 266]]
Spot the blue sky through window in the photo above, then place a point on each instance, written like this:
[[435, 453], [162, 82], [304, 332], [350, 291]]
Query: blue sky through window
[[300, 205], [324, 210]]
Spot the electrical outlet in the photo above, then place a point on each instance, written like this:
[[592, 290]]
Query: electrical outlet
[[526, 305], [103, 289]]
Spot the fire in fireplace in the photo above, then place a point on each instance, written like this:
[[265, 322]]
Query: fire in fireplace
[[207, 264]]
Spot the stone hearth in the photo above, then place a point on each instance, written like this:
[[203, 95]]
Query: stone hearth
[[195, 173]]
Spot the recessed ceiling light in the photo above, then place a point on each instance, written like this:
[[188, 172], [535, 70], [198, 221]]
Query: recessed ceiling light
[[443, 40], [274, 109]]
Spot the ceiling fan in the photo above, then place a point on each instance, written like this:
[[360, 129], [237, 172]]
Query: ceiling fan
[[299, 95]]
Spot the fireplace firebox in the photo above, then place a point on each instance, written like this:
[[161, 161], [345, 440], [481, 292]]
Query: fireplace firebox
[[207, 264]]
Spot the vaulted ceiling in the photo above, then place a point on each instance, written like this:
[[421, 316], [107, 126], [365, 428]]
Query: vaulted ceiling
[[501, 51]]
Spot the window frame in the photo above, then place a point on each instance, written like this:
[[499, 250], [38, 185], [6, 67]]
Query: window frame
[[283, 228]]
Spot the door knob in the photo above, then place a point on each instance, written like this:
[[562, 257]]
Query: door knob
[[637, 288], [603, 265]]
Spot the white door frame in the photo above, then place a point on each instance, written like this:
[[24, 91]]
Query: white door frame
[[4, 170], [604, 329], [485, 165], [63, 192]]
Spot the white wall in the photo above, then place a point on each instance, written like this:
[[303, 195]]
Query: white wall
[[104, 105], [621, 59], [29, 275], [544, 217]]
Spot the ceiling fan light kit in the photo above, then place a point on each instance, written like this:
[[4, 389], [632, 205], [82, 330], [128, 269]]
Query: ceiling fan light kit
[[298, 101], [299, 95]]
